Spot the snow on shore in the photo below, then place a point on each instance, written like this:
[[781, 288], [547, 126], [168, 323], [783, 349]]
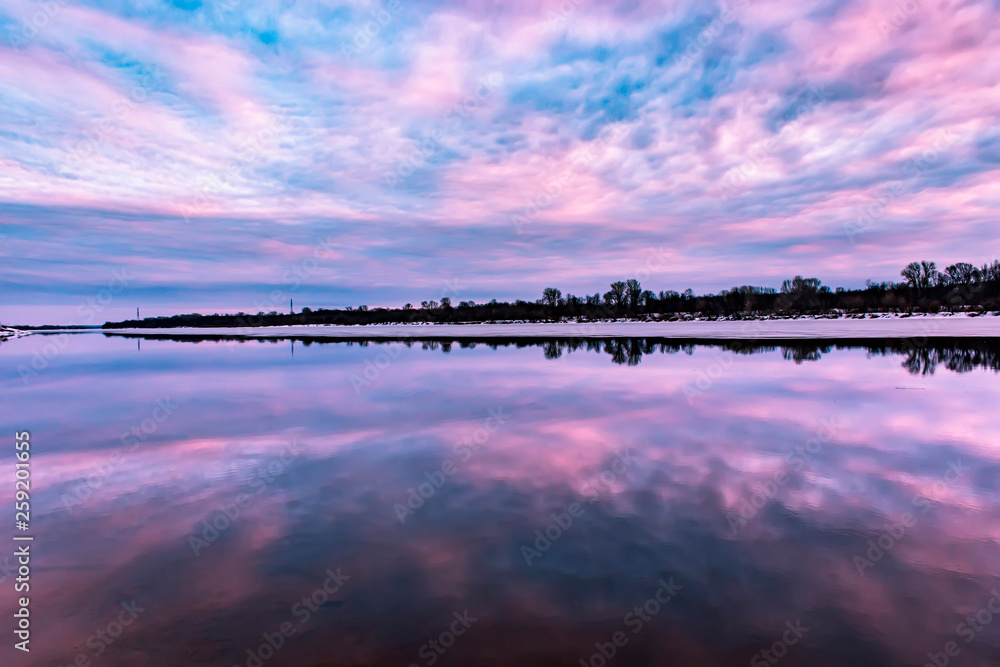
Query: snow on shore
[[7, 332], [957, 326]]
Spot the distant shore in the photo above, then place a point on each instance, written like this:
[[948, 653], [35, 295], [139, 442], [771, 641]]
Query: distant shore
[[7, 332], [820, 327]]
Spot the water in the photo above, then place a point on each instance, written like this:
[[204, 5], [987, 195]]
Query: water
[[831, 506]]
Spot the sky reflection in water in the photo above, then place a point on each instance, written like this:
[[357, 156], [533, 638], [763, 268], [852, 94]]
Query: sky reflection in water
[[702, 430]]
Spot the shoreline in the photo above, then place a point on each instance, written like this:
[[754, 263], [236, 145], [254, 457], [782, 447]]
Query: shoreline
[[8, 333], [931, 326]]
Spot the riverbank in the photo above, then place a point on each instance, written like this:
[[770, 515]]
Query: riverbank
[[943, 325], [7, 332]]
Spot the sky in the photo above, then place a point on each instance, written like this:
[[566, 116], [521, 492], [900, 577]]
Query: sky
[[232, 155]]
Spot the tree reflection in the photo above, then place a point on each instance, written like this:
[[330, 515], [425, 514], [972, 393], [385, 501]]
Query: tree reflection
[[920, 356]]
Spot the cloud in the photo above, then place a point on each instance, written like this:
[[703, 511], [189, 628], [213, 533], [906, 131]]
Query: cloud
[[237, 110]]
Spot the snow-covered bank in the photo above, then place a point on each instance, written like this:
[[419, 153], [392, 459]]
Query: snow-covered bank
[[804, 328], [7, 332]]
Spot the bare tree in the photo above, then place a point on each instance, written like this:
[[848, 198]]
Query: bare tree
[[961, 273], [617, 295], [912, 274], [551, 296], [647, 298], [800, 285], [633, 294], [920, 275], [990, 273], [928, 274]]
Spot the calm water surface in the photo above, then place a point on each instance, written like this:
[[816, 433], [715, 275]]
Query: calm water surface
[[393, 505]]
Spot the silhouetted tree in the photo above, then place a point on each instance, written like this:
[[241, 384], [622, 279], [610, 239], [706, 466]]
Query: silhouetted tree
[[633, 294], [800, 294], [990, 273], [617, 296], [962, 273], [551, 296], [800, 285], [920, 275], [648, 299]]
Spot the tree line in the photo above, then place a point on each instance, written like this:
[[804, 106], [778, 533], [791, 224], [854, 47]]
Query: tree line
[[960, 287]]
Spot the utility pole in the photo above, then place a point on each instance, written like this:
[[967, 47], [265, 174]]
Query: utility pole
[[137, 312], [291, 306]]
